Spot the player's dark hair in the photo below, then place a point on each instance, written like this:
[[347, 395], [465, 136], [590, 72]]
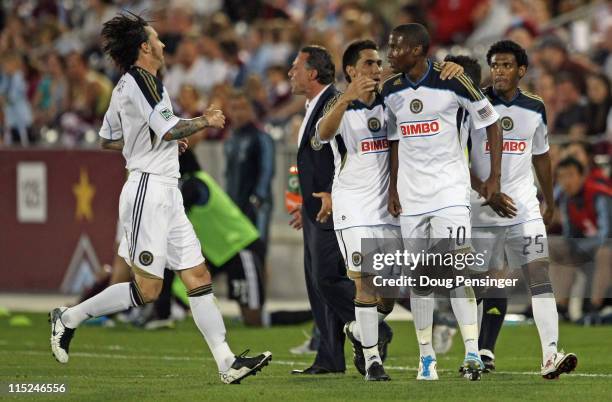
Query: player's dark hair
[[470, 65], [414, 35], [510, 47], [351, 54], [571, 161], [320, 60], [122, 37]]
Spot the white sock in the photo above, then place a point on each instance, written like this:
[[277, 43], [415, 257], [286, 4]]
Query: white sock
[[547, 322], [354, 328], [422, 313], [480, 313], [466, 313], [367, 322], [111, 300], [209, 321]]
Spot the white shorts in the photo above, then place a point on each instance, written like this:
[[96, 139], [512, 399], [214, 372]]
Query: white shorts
[[519, 244], [157, 233], [380, 239], [451, 225]]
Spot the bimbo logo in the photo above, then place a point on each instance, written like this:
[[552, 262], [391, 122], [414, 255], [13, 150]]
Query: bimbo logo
[[373, 145], [510, 147], [420, 128]]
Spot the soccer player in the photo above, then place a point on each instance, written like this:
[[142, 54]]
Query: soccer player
[[521, 235], [140, 123], [354, 122], [430, 181]]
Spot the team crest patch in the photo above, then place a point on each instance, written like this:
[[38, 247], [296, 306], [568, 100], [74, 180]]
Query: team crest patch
[[315, 143], [374, 124], [166, 113], [416, 106], [145, 258], [357, 258], [506, 123]]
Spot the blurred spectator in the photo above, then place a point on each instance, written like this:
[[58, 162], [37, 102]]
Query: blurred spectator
[[249, 165], [51, 97], [545, 88], [15, 105], [97, 12], [582, 151], [555, 59], [599, 103], [586, 209], [572, 117], [453, 20], [90, 91], [193, 69]]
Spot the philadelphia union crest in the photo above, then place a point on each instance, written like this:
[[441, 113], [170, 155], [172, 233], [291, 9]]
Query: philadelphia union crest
[[145, 258], [357, 258], [374, 124], [506, 123], [416, 106]]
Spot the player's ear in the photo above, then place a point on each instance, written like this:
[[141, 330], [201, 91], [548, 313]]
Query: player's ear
[[351, 72], [522, 70]]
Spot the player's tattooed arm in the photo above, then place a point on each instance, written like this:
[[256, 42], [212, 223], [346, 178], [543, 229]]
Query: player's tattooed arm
[[186, 127], [114, 145]]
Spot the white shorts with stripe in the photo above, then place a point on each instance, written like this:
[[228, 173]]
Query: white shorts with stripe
[[380, 238], [156, 231], [446, 229], [519, 244]]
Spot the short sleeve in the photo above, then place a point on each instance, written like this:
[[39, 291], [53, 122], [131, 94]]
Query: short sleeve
[[473, 100], [540, 139], [391, 123], [111, 125], [152, 102]]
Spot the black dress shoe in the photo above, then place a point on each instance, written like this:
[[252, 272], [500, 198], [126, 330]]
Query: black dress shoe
[[316, 370]]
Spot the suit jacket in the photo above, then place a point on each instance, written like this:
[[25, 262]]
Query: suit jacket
[[316, 163]]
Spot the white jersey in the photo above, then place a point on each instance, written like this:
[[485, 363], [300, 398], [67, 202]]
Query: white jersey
[[523, 121], [433, 170], [361, 156], [140, 112]]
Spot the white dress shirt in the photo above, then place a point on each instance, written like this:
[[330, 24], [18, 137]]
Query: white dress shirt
[[310, 105]]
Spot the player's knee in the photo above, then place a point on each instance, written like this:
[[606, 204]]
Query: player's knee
[[144, 292], [537, 277], [195, 277]]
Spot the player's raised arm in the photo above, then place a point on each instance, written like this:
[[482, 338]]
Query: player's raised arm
[[186, 127], [360, 88]]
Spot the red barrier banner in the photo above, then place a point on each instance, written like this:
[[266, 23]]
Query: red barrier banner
[[58, 217]]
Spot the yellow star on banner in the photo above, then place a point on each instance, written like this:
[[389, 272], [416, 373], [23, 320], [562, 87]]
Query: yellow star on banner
[[84, 193]]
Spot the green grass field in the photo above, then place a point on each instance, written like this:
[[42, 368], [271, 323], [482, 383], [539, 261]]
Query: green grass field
[[124, 363]]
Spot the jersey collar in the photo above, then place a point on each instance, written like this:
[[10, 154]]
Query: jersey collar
[[414, 85], [503, 101]]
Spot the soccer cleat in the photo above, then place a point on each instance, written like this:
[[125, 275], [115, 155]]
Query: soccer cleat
[[376, 372], [488, 359], [443, 338], [245, 366], [559, 363], [358, 358], [427, 369], [60, 335], [472, 367], [385, 336]]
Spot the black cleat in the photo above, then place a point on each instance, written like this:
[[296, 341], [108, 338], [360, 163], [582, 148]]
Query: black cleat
[[245, 366], [376, 372], [60, 335], [489, 363], [358, 358], [385, 336]]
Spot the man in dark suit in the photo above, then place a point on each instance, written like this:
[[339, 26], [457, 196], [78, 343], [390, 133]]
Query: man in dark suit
[[330, 291]]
